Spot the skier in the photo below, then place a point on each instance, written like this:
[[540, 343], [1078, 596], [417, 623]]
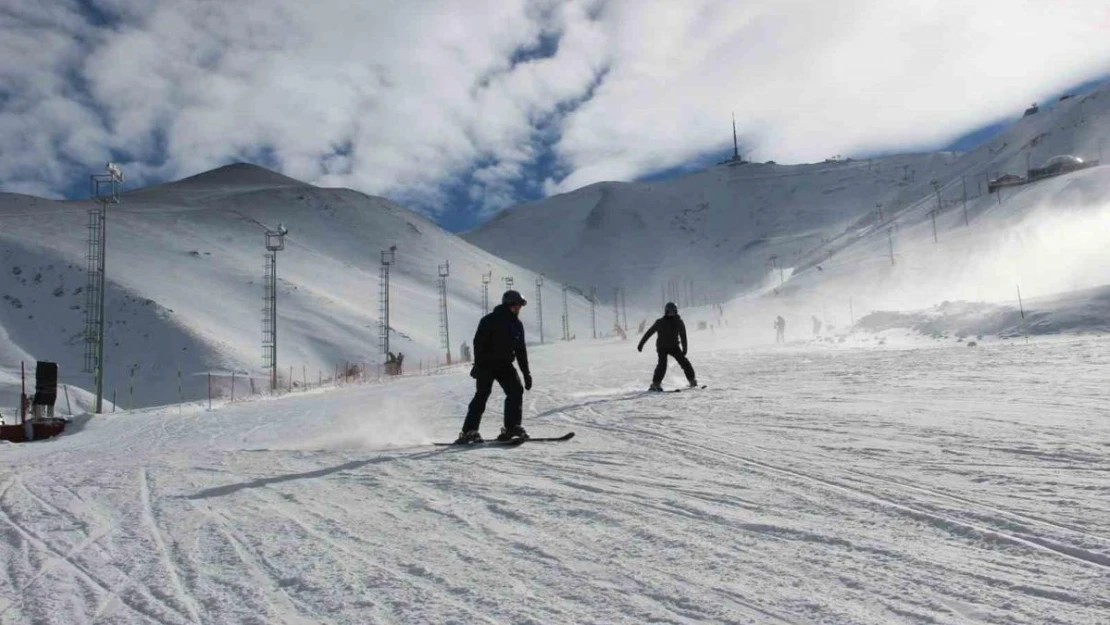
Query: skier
[[670, 342], [498, 341], [780, 330]]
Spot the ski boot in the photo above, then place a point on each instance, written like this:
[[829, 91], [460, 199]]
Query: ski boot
[[693, 384], [468, 437], [508, 434], [655, 388]]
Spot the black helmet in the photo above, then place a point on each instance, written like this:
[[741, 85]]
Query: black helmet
[[670, 308], [512, 298]]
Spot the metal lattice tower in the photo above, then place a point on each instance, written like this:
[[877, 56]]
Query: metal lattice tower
[[275, 242], [444, 332], [104, 190], [508, 282], [94, 260], [566, 316], [539, 304], [486, 279], [593, 310], [383, 299]]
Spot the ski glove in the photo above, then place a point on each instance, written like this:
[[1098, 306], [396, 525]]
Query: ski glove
[[527, 381]]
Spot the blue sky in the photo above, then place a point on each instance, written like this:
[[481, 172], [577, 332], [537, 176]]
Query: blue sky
[[460, 109]]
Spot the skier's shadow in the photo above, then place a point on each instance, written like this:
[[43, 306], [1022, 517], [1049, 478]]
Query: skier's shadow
[[223, 491]]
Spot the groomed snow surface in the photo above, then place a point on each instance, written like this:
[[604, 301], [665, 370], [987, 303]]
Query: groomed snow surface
[[805, 485]]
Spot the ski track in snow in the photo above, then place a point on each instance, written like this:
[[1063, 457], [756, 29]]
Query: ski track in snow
[[937, 485]]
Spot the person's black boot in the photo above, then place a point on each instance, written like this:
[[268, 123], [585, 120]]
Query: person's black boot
[[466, 438], [508, 434]]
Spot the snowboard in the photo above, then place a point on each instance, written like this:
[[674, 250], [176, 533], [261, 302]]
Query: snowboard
[[510, 443], [677, 390]]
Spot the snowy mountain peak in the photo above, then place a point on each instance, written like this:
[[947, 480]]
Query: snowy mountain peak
[[239, 175]]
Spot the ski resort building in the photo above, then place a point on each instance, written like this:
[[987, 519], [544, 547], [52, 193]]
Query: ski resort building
[[1005, 180], [1060, 164]]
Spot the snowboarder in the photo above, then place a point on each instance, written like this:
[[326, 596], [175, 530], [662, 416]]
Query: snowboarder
[[671, 341], [780, 330], [499, 341]]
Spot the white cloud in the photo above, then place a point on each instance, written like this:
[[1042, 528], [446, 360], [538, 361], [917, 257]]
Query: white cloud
[[811, 79], [408, 99]]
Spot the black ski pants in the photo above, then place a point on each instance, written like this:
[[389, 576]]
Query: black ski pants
[[661, 368], [507, 377]]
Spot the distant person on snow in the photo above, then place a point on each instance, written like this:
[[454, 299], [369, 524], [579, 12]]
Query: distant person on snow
[[780, 330], [498, 341], [671, 341]]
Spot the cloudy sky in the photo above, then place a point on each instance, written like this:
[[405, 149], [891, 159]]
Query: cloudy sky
[[461, 107]]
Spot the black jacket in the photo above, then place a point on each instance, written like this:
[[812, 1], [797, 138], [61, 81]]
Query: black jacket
[[499, 340], [672, 334]]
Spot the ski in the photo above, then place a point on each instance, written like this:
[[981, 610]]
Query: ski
[[689, 388]]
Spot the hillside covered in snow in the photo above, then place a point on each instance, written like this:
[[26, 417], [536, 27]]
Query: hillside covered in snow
[[821, 234], [185, 295]]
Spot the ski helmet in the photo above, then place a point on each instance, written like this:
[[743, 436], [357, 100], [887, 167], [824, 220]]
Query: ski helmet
[[513, 298], [670, 309]]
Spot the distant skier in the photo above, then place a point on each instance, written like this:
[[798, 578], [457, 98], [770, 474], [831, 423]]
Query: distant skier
[[671, 341], [816, 326], [499, 341], [780, 330]]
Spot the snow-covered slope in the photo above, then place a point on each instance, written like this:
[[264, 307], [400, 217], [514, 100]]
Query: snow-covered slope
[[185, 264], [871, 487], [721, 227]]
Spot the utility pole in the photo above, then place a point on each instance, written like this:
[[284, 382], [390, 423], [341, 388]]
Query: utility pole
[[508, 282], [444, 328], [936, 187], [890, 239], [566, 316], [104, 190], [539, 304], [275, 242], [486, 279], [616, 307], [593, 310], [624, 310], [388, 257], [966, 221], [879, 207]]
